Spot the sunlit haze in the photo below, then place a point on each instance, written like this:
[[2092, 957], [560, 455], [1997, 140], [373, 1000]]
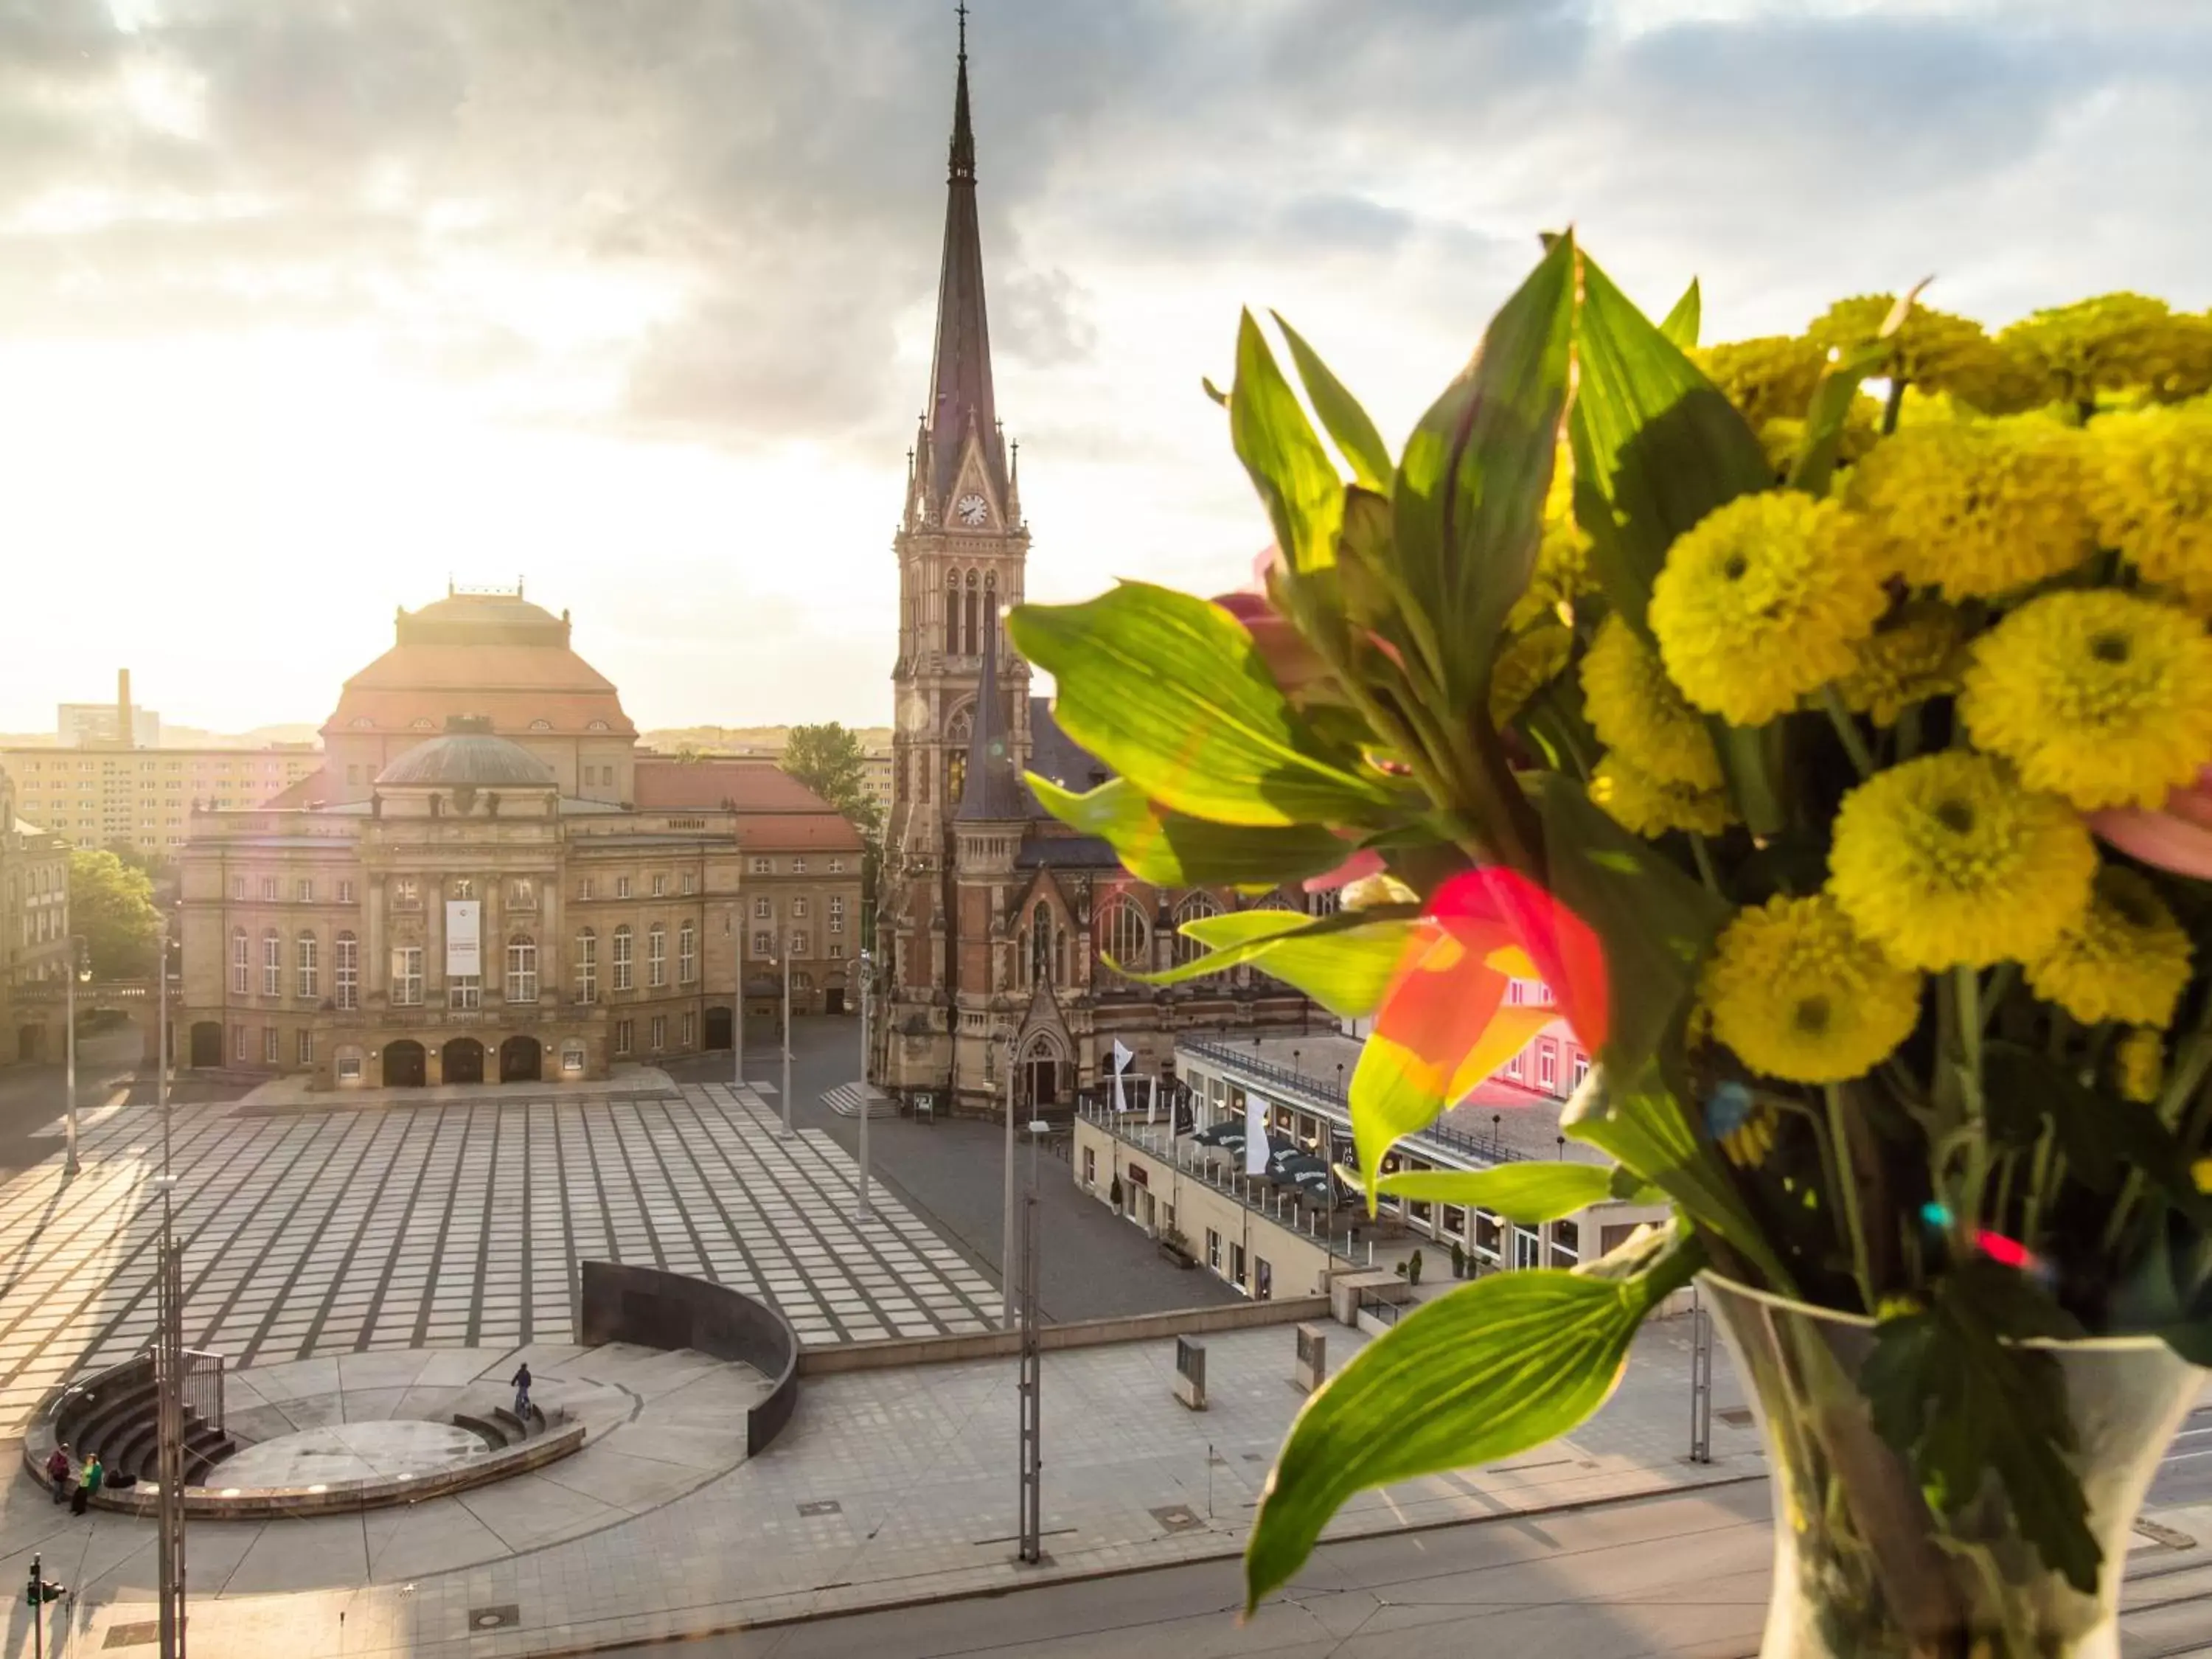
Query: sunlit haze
[[306, 308]]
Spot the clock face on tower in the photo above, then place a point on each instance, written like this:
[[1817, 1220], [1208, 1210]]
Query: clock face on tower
[[971, 508]]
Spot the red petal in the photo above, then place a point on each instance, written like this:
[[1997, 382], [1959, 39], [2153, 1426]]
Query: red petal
[[1492, 906]]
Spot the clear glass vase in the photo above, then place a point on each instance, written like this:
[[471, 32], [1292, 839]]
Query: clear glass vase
[[1863, 1568]]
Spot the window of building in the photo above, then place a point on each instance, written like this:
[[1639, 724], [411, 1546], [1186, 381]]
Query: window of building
[[837, 951], [272, 1046], [622, 1029], [403, 890], [587, 966], [522, 894], [799, 906], [464, 991], [572, 1059], [837, 866], [1214, 1250], [659, 1032], [238, 1050], [660, 886], [656, 956], [763, 944], [799, 867], [1090, 1166], [241, 962], [462, 887], [238, 887], [1123, 935], [303, 890], [801, 945], [690, 883], [345, 892], [1194, 908], [268, 889], [272, 965], [622, 886], [690, 1029], [406, 975], [1039, 944], [1547, 1066], [687, 954], [522, 969], [1513, 1068], [622, 958], [763, 909], [303, 1047], [349, 1065], [764, 866], [836, 913], [345, 969], [584, 888], [309, 965]]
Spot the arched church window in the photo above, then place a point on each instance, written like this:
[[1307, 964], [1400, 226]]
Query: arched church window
[[1042, 957], [955, 776], [1123, 935], [1196, 907], [951, 613], [975, 636], [990, 601]]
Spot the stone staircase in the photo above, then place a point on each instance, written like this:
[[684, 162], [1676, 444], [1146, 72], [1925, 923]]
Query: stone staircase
[[849, 1099]]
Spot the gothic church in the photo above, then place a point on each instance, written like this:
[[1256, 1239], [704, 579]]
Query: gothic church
[[996, 922]]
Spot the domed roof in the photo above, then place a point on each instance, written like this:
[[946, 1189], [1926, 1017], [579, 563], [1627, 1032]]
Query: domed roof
[[468, 755]]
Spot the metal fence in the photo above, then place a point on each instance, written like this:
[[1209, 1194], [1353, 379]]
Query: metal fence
[[1323, 1092], [204, 1386]]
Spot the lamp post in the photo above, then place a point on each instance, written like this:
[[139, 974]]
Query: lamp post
[[169, 1352], [1007, 1243], [787, 1037], [738, 1021], [80, 966], [867, 1106]]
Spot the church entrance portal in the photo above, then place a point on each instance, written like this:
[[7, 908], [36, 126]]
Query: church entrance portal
[[404, 1064], [461, 1061], [1044, 1081]]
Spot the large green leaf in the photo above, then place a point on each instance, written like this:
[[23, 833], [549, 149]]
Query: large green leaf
[[1468, 499], [1289, 467], [1507, 1363], [1526, 1192], [1345, 961], [1657, 444], [1173, 849], [1356, 437], [1823, 420], [1169, 692], [1681, 327]]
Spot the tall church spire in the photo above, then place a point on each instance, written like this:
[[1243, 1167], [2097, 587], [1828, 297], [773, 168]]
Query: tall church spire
[[960, 375]]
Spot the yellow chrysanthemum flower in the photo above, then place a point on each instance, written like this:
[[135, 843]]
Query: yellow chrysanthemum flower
[[1978, 507], [1562, 573], [1782, 440], [1918, 654], [1765, 599], [1525, 667], [2125, 958], [1651, 806], [2101, 696], [2149, 485], [1946, 859], [1934, 350], [2112, 343], [1799, 995], [2139, 1069], [1768, 379], [1636, 711]]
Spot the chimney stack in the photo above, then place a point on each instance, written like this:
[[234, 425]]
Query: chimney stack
[[122, 727]]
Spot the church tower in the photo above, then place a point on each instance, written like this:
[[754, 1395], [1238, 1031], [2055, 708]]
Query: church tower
[[962, 549]]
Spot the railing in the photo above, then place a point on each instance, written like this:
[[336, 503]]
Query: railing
[[1374, 1302], [204, 1386], [1320, 1092]]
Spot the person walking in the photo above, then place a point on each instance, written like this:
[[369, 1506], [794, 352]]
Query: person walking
[[87, 1483], [57, 1473], [522, 1381]]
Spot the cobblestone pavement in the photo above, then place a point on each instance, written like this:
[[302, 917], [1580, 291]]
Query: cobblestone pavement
[[323, 1231]]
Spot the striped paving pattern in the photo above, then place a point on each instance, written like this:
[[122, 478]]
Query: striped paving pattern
[[458, 1224]]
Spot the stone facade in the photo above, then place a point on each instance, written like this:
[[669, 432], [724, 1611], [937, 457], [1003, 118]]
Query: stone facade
[[996, 922], [34, 927]]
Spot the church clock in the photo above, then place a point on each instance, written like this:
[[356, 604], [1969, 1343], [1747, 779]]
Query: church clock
[[972, 510]]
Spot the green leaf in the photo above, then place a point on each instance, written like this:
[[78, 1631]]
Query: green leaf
[[1681, 327], [1360, 444], [1173, 849], [1656, 446], [1526, 1192], [1345, 961], [1468, 499], [1507, 1362], [2102, 1137], [1304, 494], [1824, 419], [1169, 692]]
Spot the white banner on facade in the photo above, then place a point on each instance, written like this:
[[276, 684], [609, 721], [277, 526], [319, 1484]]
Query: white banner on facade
[[1255, 1135], [464, 939], [1122, 1059]]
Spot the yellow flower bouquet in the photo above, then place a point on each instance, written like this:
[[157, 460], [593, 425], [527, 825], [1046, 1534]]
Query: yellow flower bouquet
[[1828, 721]]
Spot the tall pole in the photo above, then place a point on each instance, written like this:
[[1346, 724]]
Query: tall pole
[[737, 1022], [787, 1037], [867, 1103], [169, 1356], [1032, 1527], [69, 1049], [1007, 1243]]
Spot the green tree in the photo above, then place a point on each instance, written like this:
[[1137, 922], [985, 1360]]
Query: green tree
[[829, 759], [111, 905]]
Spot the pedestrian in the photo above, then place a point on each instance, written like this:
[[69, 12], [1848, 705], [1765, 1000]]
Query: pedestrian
[[88, 1483], [522, 1391], [58, 1472]]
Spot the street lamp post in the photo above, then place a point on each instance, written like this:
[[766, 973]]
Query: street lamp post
[[787, 1037], [867, 1103], [79, 964], [169, 1353], [1006, 1244], [737, 1020]]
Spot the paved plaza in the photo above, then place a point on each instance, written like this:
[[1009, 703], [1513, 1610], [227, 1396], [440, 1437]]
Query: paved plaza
[[333, 1229]]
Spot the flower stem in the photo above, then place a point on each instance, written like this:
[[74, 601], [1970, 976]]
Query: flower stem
[[1843, 1175], [1855, 743], [1704, 856], [1895, 406]]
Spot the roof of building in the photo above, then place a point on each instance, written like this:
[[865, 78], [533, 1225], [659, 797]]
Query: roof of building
[[752, 785], [1055, 755], [468, 755], [795, 832], [303, 791], [1065, 852], [493, 654]]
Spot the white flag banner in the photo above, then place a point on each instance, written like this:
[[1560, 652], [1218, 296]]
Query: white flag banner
[[1255, 1135], [463, 938], [1152, 1101], [1122, 1059]]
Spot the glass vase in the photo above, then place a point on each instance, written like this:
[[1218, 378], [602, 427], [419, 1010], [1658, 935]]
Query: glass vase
[[1864, 1568]]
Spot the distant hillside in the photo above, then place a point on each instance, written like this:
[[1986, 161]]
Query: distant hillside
[[189, 737], [744, 739]]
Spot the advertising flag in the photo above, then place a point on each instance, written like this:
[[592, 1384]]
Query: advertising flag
[[1255, 1135]]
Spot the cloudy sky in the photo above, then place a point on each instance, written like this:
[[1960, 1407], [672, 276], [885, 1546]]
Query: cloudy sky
[[306, 307]]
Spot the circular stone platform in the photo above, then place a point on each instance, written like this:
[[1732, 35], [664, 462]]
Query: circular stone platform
[[394, 1450]]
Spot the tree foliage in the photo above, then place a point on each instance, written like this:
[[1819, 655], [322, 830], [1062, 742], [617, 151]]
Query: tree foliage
[[111, 905], [830, 760]]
